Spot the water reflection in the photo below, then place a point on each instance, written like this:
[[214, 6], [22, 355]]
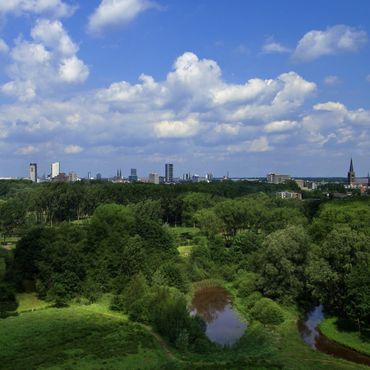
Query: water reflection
[[312, 336], [213, 305]]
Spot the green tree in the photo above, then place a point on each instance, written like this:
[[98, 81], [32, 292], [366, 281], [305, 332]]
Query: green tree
[[357, 302], [267, 312], [282, 263], [8, 301], [331, 264]]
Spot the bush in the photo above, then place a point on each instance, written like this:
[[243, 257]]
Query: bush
[[246, 283], [8, 301], [252, 299], [267, 312]]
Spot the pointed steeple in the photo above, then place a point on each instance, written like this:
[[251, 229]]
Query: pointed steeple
[[351, 166], [351, 176]]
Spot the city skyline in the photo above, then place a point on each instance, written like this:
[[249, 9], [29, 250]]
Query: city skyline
[[209, 86]]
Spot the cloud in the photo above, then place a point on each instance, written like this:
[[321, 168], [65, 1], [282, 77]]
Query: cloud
[[4, 48], [332, 80], [368, 78], [274, 47], [177, 129], [73, 149], [51, 34], [40, 65], [73, 70], [333, 40], [280, 126], [113, 13], [192, 111], [252, 146], [55, 8], [330, 107], [23, 90], [27, 150]]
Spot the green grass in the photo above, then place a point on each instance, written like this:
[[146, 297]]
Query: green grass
[[76, 338], [185, 250], [9, 243], [291, 351], [30, 302], [297, 355], [352, 339], [93, 337]]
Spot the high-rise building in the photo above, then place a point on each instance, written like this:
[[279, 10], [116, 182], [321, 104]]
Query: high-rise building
[[72, 177], [154, 178], [55, 169], [351, 176], [133, 175], [209, 176], [274, 178], [169, 173], [33, 172], [98, 176]]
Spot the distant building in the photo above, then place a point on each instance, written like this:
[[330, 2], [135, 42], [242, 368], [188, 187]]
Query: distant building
[[209, 176], [169, 173], [55, 169], [274, 178], [351, 176], [33, 172], [133, 175], [305, 184], [72, 177], [61, 177], [98, 176], [288, 195], [154, 178]]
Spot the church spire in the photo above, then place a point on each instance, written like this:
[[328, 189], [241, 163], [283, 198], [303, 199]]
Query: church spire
[[351, 166], [351, 176]]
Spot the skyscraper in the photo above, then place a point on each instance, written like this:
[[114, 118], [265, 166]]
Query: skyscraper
[[169, 173], [133, 175], [33, 172], [55, 169], [154, 178], [351, 176]]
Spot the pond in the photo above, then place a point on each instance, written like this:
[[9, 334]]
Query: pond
[[312, 336], [224, 325]]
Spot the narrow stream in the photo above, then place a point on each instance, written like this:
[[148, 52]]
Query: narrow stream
[[310, 333], [223, 324]]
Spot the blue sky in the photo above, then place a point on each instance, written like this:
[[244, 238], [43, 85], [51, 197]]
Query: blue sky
[[248, 87]]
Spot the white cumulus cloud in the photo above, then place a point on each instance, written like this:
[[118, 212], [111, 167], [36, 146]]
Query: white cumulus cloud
[[73, 149], [116, 12], [333, 40], [271, 47], [279, 126], [55, 8], [73, 70], [177, 129], [40, 65]]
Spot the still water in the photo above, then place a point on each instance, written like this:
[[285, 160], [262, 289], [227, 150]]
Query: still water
[[312, 336], [224, 326]]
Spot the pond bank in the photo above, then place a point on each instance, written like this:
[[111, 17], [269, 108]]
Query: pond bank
[[350, 339], [309, 330], [213, 304]]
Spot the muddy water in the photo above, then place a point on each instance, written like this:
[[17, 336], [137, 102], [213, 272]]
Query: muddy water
[[223, 324], [312, 336]]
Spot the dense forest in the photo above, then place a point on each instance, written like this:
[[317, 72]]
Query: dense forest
[[79, 243]]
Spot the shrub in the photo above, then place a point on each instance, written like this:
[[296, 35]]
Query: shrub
[[8, 301], [267, 312], [252, 299], [246, 283]]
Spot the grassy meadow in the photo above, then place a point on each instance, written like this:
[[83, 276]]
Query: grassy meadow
[[94, 337]]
